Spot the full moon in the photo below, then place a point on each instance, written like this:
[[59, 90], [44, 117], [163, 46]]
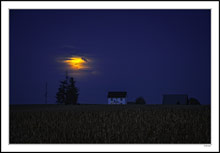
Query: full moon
[[77, 63]]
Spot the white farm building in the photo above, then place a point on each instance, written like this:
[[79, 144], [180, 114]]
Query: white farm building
[[117, 97]]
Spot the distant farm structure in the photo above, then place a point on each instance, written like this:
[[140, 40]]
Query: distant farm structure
[[168, 99], [175, 99], [117, 97]]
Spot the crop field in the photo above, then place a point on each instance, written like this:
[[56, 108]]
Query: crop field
[[113, 124]]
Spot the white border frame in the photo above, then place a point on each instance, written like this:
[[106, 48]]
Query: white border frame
[[110, 5]]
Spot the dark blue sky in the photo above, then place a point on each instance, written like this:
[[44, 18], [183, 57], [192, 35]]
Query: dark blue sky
[[144, 52]]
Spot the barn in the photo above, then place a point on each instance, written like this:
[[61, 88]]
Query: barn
[[175, 99], [117, 97]]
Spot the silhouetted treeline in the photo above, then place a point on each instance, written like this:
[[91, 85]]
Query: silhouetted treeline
[[140, 100], [193, 101]]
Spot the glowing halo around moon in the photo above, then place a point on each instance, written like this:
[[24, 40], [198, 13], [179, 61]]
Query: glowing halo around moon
[[77, 63], [78, 66]]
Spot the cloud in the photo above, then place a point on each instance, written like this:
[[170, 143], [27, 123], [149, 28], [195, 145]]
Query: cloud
[[69, 50], [85, 59]]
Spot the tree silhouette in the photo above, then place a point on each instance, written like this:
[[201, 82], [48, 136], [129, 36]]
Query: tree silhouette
[[72, 92], [61, 94], [140, 100], [193, 101], [67, 92]]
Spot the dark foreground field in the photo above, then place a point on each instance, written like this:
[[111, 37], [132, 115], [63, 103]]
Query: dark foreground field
[[109, 124]]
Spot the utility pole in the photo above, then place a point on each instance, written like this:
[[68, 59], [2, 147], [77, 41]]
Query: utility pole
[[46, 94]]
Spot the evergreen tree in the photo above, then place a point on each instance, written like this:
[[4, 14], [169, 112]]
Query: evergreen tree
[[140, 100], [72, 92], [67, 92], [61, 94]]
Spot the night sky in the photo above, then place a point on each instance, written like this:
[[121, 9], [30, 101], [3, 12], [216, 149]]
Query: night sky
[[147, 53]]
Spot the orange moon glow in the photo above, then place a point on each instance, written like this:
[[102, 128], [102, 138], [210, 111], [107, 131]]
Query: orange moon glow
[[76, 63]]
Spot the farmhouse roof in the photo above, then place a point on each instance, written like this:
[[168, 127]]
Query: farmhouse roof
[[116, 94]]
